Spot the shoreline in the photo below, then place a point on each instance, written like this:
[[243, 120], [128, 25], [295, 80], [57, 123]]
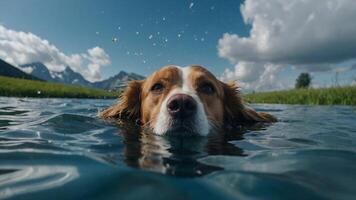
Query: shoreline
[[15, 87], [343, 95]]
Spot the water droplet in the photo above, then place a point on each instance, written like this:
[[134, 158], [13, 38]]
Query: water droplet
[[150, 37], [191, 5], [137, 32], [179, 35], [115, 39]]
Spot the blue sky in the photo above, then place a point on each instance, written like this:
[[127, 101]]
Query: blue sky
[[151, 34], [73, 25]]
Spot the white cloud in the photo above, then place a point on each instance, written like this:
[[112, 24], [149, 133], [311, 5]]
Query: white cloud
[[97, 58], [17, 48], [311, 34], [27, 69], [254, 76]]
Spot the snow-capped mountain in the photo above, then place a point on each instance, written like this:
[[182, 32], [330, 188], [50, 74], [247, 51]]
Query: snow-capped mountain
[[68, 76], [118, 81], [37, 69]]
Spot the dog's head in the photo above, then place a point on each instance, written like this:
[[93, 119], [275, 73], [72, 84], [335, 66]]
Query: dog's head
[[189, 100]]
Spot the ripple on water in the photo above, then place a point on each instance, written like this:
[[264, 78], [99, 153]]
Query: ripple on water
[[322, 173], [57, 148], [72, 124]]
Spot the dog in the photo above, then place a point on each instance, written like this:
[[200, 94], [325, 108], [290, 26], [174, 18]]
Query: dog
[[183, 101]]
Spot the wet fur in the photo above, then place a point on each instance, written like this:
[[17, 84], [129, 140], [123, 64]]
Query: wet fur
[[235, 111], [128, 107]]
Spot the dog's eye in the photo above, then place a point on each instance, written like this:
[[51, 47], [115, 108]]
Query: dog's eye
[[157, 87], [207, 88]]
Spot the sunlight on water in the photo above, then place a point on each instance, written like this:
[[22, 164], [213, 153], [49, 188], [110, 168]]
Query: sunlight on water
[[33, 178]]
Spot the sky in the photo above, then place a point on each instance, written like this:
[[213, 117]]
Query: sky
[[263, 45]]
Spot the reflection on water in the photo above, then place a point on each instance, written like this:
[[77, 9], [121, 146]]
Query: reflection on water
[[59, 149], [175, 155]]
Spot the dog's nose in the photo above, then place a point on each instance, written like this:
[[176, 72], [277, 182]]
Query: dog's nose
[[181, 105]]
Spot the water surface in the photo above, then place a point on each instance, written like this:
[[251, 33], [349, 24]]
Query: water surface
[[58, 148]]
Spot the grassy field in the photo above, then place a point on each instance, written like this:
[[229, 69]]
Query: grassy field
[[28, 88], [320, 96]]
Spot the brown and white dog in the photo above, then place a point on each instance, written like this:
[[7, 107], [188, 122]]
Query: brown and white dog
[[183, 100]]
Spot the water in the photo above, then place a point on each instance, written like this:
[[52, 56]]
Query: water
[[57, 148]]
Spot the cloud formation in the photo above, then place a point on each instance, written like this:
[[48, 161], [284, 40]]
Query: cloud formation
[[254, 76], [17, 48], [311, 34]]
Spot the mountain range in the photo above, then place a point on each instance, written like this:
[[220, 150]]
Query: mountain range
[[38, 71], [8, 70], [67, 76], [118, 81]]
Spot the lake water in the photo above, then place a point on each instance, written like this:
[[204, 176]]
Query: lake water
[[59, 149]]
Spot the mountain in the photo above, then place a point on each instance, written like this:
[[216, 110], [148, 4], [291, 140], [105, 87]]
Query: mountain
[[118, 81], [68, 76], [39, 70], [8, 70]]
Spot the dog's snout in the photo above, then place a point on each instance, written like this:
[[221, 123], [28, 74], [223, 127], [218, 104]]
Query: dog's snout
[[181, 105]]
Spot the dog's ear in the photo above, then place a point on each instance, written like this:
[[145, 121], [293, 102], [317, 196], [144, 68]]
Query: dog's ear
[[236, 113], [128, 107], [252, 116]]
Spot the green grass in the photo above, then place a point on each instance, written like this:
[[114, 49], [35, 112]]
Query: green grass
[[29, 88], [321, 96]]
